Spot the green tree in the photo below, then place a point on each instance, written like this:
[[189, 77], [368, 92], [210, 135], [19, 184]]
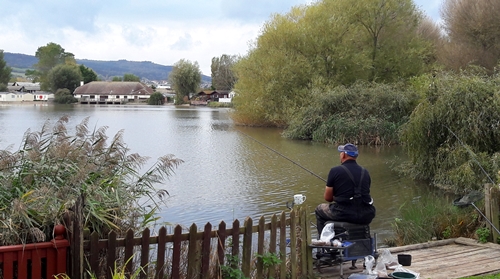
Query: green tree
[[131, 77], [117, 78], [64, 96], [323, 45], [88, 74], [223, 77], [64, 76], [5, 72], [185, 78], [391, 26], [50, 56], [156, 99]]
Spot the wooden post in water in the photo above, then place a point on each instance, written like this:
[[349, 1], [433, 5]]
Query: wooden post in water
[[491, 208]]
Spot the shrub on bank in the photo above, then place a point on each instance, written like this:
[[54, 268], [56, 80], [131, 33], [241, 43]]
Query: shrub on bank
[[364, 113], [52, 169], [453, 136]]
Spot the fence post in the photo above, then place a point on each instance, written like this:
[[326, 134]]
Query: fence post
[[491, 208], [247, 247], [293, 243], [73, 221], [193, 253]]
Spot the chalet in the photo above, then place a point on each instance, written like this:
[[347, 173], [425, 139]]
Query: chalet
[[27, 87], [112, 92], [206, 96]]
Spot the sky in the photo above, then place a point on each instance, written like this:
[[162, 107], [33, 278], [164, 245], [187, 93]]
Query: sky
[[160, 31]]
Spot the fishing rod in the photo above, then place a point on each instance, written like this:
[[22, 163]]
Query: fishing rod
[[295, 163]]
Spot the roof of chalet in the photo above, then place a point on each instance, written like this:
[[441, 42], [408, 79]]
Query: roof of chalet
[[113, 88], [210, 92]]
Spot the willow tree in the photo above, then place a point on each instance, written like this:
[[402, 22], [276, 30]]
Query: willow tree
[[453, 136], [390, 30], [223, 77], [5, 73], [185, 78], [323, 45], [308, 46]]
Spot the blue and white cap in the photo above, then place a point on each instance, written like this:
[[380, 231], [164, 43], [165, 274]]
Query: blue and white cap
[[349, 148]]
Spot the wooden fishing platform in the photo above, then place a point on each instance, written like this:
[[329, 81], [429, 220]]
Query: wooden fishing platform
[[442, 259]]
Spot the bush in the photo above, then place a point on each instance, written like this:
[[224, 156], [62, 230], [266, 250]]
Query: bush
[[52, 169], [364, 113], [64, 96], [453, 136], [156, 99]]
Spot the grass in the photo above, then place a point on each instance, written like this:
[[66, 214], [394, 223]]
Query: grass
[[428, 218], [491, 276]]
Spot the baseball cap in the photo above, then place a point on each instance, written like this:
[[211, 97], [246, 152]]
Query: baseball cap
[[349, 148]]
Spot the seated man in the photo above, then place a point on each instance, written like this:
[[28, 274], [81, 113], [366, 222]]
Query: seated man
[[348, 191]]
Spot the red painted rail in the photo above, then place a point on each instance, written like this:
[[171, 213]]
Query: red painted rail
[[36, 260]]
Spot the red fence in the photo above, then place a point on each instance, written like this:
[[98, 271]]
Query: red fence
[[36, 260]]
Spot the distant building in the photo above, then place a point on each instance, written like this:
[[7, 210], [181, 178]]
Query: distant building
[[108, 92]]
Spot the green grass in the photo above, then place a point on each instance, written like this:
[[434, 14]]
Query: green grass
[[493, 276]]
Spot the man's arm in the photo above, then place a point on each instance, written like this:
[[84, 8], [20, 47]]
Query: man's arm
[[328, 194]]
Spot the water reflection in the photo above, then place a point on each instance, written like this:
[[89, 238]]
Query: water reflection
[[227, 174]]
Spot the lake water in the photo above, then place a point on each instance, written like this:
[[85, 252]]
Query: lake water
[[227, 173]]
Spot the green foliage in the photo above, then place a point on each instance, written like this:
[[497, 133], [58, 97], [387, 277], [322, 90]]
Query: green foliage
[[269, 260], [64, 76], [88, 74], [52, 169], [483, 234], [185, 78], [50, 56], [223, 77], [230, 270], [117, 79], [5, 73], [156, 99], [63, 96], [364, 113], [131, 77], [326, 44], [427, 217], [454, 133]]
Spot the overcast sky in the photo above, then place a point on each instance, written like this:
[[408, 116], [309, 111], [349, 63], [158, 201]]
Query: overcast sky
[[160, 31]]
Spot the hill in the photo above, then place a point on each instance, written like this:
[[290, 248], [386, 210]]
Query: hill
[[106, 70]]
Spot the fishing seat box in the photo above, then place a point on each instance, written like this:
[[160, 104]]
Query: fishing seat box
[[357, 234]]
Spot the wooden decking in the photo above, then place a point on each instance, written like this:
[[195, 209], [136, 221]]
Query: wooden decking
[[444, 259]]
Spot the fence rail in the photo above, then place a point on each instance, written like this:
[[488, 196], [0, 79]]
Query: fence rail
[[202, 254], [35, 260]]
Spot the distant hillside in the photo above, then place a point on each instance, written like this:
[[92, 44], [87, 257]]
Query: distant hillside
[[105, 69]]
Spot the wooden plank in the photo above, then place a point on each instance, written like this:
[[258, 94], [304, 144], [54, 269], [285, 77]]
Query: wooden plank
[[272, 243], [221, 246], [236, 243], [205, 252], [160, 255], [129, 251], [283, 244], [247, 247], [176, 252], [260, 247], [145, 254], [111, 257], [193, 253], [293, 244]]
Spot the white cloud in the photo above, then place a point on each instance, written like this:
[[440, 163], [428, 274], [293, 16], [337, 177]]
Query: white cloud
[[162, 32]]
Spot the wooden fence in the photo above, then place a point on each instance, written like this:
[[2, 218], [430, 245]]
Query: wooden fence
[[35, 260], [204, 254]]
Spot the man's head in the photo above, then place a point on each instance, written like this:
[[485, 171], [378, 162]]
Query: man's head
[[348, 149]]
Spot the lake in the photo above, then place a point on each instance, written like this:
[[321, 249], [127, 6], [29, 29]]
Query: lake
[[229, 172]]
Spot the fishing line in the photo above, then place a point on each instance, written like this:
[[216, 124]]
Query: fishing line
[[297, 164]]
